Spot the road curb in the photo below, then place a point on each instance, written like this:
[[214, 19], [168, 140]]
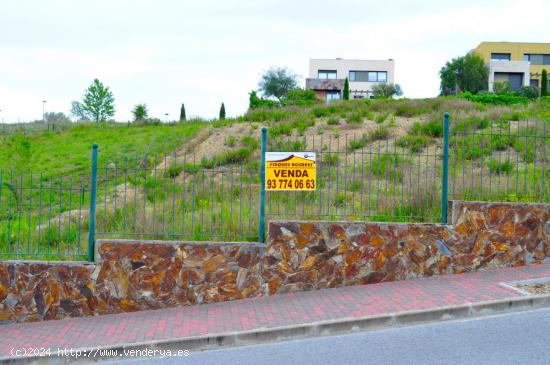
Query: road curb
[[300, 331]]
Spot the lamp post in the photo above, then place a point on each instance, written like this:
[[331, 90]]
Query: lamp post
[[43, 110], [166, 117]]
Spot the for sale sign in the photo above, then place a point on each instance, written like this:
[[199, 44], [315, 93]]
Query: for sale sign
[[290, 171]]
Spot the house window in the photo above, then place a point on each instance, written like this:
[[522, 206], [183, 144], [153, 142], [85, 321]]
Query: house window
[[333, 95], [537, 59], [534, 82], [500, 56], [368, 76], [326, 74]]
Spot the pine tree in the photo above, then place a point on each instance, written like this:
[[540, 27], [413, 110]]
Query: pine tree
[[346, 89], [222, 112], [182, 113], [544, 83]]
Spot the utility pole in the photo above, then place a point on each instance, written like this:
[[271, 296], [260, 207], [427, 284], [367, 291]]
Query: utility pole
[[43, 110]]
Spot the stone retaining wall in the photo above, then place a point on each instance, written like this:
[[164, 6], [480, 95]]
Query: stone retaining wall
[[129, 276], [315, 255], [138, 275]]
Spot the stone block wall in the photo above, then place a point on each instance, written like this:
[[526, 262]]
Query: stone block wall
[[139, 275], [129, 276], [315, 255]]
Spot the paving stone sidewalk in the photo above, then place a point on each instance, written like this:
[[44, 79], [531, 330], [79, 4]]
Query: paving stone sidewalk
[[267, 312]]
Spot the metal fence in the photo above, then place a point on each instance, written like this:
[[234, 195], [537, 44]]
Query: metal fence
[[359, 177]]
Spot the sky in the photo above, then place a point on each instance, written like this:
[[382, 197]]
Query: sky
[[205, 52]]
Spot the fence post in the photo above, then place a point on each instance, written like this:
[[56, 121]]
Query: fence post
[[445, 173], [261, 225], [93, 192]]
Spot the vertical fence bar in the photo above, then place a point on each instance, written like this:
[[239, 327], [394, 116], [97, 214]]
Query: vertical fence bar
[[445, 172], [261, 224], [93, 187]]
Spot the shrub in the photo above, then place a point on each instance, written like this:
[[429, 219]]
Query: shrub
[[471, 124], [250, 142], [530, 92], [330, 159], [280, 129], [333, 121], [13, 231], [489, 98], [387, 166], [236, 156], [230, 141], [255, 102], [500, 167], [415, 142], [381, 117], [354, 118], [356, 144], [380, 132], [501, 87], [433, 128], [209, 163], [300, 97], [302, 124], [173, 171], [320, 112], [191, 167]]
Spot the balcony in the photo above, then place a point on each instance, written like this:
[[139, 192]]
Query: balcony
[[325, 84]]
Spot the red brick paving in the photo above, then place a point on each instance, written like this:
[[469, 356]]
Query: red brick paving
[[274, 311]]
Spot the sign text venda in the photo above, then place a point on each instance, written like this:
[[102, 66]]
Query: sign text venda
[[290, 171]]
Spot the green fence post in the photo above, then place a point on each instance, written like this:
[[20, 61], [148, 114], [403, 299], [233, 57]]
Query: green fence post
[[445, 173], [261, 226], [93, 192]]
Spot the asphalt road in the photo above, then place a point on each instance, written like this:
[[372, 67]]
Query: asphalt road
[[518, 338]]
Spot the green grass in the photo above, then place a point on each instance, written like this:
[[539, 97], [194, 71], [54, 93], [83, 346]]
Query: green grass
[[433, 128], [415, 143], [68, 153], [497, 167]]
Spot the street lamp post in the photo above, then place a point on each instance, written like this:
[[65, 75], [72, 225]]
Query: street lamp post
[[43, 110], [166, 117]]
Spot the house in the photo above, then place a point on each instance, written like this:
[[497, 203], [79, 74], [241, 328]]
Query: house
[[326, 76], [520, 64]]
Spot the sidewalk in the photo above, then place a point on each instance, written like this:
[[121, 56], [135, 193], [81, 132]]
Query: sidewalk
[[270, 312]]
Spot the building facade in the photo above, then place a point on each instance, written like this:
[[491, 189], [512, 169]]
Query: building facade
[[326, 76], [520, 64]]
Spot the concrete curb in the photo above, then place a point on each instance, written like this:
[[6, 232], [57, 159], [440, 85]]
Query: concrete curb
[[299, 331]]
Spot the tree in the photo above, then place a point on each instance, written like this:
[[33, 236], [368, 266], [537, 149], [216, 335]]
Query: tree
[[467, 73], [97, 103], [222, 112], [182, 113], [255, 102], [346, 89], [544, 83], [53, 117], [384, 90], [140, 112], [277, 82]]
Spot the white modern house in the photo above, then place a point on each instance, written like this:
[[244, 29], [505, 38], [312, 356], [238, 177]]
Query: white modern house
[[326, 76]]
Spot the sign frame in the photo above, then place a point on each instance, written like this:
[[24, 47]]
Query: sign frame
[[290, 171]]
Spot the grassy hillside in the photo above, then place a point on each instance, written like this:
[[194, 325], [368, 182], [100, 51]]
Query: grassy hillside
[[68, 152], [378, 160]]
